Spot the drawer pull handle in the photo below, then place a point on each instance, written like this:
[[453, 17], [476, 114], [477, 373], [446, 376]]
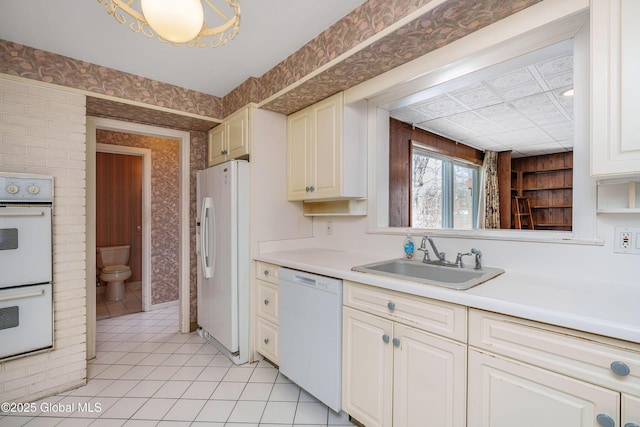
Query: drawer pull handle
[[266, 302], [266, 340], [396, 342], [631, 425], [605, 420], [620, 368], [391, 306], [385, 338], [266, 272]]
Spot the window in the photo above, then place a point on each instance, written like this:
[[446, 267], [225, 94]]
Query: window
[[444, 191]]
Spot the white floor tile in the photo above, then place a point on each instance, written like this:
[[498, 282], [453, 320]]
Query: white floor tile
[[287, 392], [145, 388], [75, 422], [311, 413], [93, 388], [279, 413], [212, 373], [238, 374], [177, 359], [341, 419], [113, 372], [256, 391], [216, 411], [139, 372], [162, 373], [200, 390], [247, 412], [185, 410], [140, 423], [188, 373], [264, 375], [149, 374], [119, 388], [124, 408], [154, 409], [228, 391], [172, 389]]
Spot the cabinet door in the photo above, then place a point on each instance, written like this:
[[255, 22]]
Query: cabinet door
[[216, 153], [327, 155], [298, 155], [615, 88], [503, 393], [429, 380], [630, 411], [267, 335], [367, 368], [237, 128]]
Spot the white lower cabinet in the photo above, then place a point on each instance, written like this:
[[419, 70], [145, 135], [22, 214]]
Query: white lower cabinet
[[267, 311], [530, 374], [397, 375], [503, 393]]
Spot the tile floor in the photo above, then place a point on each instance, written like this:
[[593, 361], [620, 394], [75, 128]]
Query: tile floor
[[148, 374], [132, 302]]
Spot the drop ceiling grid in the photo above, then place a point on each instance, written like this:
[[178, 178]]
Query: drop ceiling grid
[[522, 110]]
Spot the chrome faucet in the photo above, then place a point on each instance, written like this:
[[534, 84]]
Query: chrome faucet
[[475, 252], [440, 255], [478, 255]]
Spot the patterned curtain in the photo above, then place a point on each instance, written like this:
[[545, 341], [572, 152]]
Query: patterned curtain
[[491, 195]]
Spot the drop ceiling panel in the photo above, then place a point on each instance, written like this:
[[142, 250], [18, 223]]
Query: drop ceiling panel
[[522, 109]]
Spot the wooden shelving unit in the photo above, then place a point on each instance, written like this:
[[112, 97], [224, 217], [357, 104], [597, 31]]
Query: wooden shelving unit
[[547, 181]]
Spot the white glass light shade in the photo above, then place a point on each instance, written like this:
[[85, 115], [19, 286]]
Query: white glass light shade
[[175, 20]]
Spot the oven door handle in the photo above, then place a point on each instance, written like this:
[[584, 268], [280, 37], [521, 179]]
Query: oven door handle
[[40, 213], [26, 295]]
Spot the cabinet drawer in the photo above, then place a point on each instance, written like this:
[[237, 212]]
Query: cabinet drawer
[[442, 318], [267, 335], [268, 272], [267, 301], [580, 355]]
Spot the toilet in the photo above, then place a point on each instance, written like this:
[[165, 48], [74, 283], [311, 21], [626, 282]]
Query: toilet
[[112, 262]]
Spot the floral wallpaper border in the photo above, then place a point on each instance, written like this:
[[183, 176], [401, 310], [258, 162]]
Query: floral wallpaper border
[[35, 64], [444, 24]]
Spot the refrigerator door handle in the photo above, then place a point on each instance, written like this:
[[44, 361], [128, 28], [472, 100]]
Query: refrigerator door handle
[[204, 236]]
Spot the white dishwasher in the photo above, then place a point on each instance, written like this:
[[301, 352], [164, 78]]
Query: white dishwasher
[[310, 346]]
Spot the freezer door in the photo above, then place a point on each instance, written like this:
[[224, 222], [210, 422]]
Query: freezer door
[[217, 294]]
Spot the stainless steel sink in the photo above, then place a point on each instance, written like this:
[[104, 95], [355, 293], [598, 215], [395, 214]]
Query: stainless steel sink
[[447, 276]]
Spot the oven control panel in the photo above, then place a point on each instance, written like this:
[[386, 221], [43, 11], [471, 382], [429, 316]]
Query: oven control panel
[[25, 188]]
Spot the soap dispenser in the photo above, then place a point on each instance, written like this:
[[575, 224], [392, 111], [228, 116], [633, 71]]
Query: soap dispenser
[[409, 246]]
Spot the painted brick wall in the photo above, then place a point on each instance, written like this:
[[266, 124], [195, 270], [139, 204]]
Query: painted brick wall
[[42, 130]]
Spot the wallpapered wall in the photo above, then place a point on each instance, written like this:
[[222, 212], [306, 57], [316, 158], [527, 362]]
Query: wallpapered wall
[[444, 24], [165, 211]]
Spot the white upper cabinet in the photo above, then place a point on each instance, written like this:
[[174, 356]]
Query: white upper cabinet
[[615, 88], [230, 139], [326, 155]]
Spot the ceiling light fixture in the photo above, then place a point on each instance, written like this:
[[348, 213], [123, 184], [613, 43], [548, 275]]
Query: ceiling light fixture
[[178, 21], [568, 92]]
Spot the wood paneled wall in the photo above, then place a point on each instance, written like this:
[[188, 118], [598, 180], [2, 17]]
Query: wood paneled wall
[[119, 205], [401, 137]]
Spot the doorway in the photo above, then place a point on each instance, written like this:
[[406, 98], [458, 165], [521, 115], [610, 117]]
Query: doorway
[[123, 191], [183, 138]]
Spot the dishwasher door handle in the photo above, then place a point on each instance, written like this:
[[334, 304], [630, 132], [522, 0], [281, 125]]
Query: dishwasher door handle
[[304, 280]]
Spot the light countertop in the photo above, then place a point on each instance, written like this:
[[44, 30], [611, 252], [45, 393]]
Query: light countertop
[[599, 307]]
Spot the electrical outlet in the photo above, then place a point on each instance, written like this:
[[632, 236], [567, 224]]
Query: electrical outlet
[[627, 240], [329, 228]]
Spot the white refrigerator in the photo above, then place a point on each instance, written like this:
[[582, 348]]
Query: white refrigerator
[[222, 246]]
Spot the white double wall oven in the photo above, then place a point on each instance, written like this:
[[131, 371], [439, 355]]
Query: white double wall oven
[[26, 267]]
